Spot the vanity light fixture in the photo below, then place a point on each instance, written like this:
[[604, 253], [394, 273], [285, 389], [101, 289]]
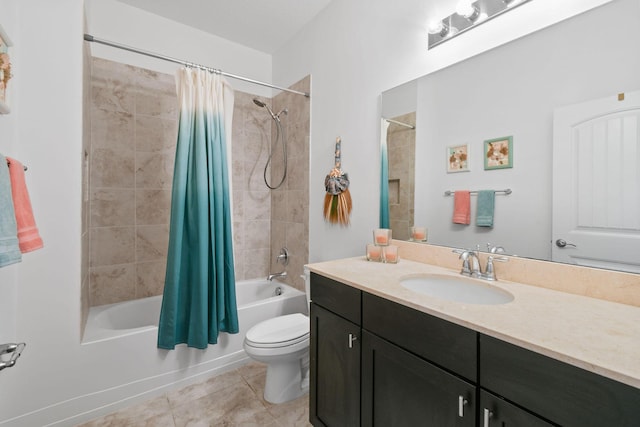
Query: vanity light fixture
[[468, 15]]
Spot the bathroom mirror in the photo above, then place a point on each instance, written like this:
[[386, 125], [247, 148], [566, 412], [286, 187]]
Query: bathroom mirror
[[510, 91]]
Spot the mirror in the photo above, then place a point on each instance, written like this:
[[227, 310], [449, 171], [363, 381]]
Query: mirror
[[510, 91]]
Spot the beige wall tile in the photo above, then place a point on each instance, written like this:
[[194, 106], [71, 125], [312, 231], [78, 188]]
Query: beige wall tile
[[112, 245], [111, 129], [150, 278], [111, 284], [155, 134], [152, 242], [112, 207], [153, 207], [150, 103], [154, 170], [257, 234], [112, 168]]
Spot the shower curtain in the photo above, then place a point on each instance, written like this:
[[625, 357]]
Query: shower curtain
[[384, 175], [199, 298]]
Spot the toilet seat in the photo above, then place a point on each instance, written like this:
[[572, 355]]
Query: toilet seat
[[281, 331]]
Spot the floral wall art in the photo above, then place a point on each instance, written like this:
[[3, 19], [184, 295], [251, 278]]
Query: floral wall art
[[5, 70], [498, 153], [458, 158]]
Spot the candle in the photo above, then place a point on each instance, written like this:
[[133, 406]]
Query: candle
[[382, 236], [419, 234], [373, 252], [390, 254]]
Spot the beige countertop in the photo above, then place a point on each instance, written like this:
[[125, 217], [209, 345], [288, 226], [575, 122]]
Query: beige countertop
[[597, 335]]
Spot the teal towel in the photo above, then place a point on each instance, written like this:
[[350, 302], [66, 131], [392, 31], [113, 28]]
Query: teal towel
[[485, 208], [9, 249]]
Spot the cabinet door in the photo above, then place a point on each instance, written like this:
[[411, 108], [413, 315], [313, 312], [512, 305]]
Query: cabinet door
[[496, 412], [561, 393], [334, 395], [401, 389]]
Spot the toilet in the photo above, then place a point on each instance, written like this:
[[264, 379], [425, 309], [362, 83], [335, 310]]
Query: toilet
[[283, 344]]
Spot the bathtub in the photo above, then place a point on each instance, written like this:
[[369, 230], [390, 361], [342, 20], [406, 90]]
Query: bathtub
[[257, 300], [127, 367]]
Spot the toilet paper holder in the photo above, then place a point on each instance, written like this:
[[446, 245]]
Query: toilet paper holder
[[13, 351]]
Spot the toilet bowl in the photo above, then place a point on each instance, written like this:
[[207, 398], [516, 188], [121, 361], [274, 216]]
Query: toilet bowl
[[282, 343]]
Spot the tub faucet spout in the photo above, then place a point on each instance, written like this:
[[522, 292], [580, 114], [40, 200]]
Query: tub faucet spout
[[276, 275]]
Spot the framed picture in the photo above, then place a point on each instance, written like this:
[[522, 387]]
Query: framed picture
[[498, 153], [5, 70], [458, 158]]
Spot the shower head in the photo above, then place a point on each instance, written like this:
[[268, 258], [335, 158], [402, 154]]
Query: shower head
[[262, 104], [259, 103]]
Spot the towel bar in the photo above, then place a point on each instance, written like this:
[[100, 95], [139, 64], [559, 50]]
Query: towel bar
[[15, 350], [8, 163], [451, 193]]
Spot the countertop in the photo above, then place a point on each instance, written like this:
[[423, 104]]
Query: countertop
[[597, 335]]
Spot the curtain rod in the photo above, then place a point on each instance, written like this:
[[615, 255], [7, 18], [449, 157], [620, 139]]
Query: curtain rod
[[400, 123], [90, 38]]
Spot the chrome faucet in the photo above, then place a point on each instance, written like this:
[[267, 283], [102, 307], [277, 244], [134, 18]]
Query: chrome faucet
[[276, 275], [471, 264]]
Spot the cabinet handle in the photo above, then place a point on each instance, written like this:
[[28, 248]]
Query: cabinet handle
[[487, 414], [352, 338], [461, 402]]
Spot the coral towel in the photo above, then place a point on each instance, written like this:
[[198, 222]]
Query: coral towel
[[462, 207], [28, 236]]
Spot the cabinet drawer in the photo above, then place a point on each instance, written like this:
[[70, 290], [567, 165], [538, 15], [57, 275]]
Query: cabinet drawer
[[445, 344], [497, 412], [337, 297], [562, 393]]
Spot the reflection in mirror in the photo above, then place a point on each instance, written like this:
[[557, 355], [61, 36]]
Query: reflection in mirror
[[512, 90], [401, 146]]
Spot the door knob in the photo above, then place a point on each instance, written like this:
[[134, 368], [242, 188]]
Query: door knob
[[561, 243]]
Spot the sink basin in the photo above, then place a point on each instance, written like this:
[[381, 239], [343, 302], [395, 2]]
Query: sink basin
[[457, 289]]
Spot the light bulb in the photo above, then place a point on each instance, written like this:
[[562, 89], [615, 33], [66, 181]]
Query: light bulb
[[438, 27], [466, 9]]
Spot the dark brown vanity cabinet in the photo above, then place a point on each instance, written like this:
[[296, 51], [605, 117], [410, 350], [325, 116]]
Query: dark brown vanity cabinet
[[497, 412], [401, 389], [562, 393], [375, 362], [334, 354], [417, 370]]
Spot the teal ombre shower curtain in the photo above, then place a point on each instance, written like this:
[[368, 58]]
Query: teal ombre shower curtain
[[384, 175], [199, 298]]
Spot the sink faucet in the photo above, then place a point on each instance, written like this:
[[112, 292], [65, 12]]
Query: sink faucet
[[276, 275], [471, 264]]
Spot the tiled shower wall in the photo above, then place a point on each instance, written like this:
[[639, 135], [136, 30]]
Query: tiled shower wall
[[133, 133], [401, 146], [290, 203]]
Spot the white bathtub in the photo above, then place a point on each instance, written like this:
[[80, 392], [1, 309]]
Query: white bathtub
[[257, 300], [120, 344]]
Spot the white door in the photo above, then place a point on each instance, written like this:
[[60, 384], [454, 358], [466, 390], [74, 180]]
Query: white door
[[596, 183]]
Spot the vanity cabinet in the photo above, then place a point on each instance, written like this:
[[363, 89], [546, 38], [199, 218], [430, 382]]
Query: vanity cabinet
[[334, 354], [375, 362], [497, 412], [562, 393], [401, 389]]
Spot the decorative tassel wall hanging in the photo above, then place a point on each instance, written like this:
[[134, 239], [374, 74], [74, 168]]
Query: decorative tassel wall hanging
[[337, 201]]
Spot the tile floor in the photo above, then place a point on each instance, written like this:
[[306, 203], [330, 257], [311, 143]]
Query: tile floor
[[230, 399]]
